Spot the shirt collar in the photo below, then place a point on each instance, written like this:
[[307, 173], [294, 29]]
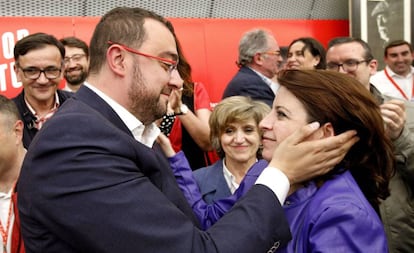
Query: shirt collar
[[273, 85], [392, 73], [56, 105], [230, 178], [143, 134]]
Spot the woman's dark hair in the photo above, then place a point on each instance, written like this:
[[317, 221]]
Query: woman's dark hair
[[183, 67], [315, 48], [333, 97]]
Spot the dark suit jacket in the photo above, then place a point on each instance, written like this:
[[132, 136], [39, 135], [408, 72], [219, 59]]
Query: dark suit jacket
[[247, 83], [212, 183], [88, 186]]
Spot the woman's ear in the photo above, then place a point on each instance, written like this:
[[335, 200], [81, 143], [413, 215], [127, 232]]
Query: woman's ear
[[327, 130], [317, 60]]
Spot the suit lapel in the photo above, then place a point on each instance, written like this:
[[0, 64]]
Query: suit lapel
[[216, 182], [90, 98], [155, 166]]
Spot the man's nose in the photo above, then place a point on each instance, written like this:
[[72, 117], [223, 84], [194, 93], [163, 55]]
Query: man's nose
[[42, 78], [175, 80]]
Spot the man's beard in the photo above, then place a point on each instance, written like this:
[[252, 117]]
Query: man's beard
[[76, 80], [144, 105]]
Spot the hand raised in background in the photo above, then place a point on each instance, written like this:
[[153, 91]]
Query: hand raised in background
[[394, 116]]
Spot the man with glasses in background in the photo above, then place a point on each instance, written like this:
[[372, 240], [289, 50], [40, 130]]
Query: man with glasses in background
[[76, 62], [353, 56], [259, 61], [39, 67]]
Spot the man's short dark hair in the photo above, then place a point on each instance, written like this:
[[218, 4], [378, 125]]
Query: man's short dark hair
[[121, 25], [36, 41], [342, 40], [396, 43], [75, 42]]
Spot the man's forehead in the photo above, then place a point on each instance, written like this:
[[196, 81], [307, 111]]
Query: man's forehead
[[400, 48], [348, 50], [159, 37], [73, 50], [51, 49], [41, 56]]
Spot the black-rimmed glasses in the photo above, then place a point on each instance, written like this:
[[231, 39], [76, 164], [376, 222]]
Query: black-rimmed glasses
[[347, 66], [33, 73], [170, 65], [75, 58]]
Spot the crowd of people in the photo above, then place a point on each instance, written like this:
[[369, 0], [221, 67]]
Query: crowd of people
[[311, 152]]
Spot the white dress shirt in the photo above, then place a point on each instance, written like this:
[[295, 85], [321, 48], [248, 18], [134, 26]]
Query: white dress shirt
[[386, 87], [144, 134]]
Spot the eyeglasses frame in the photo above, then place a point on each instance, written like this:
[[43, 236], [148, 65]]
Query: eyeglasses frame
[[338, 66], [68, 59], [274, 52], [24, 70], [172, 64]]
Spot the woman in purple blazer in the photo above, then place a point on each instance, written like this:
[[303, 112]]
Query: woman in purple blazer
[[332, 213]]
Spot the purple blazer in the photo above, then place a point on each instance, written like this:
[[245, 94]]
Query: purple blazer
[[333, 218]]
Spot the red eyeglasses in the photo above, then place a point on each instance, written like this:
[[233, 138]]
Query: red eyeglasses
[[277, 53], [169, 65]]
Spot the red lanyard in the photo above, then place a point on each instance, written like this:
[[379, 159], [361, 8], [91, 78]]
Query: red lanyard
[[5, 232], [397, 86]]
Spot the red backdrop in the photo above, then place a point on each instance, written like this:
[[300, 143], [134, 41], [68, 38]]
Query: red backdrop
[[209, 44]]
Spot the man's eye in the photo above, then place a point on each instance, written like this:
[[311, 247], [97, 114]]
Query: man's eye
[[332, 65], [166, 66], [350, 63], [31, 71]]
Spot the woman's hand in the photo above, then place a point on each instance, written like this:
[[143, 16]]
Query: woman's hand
[[301, 160], [165, 145], [175, 100]]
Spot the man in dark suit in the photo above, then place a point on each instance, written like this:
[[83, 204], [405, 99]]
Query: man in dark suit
[[259, 61], [93, 180], [39, 66]]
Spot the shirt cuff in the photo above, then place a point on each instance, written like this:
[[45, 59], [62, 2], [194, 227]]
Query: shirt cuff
[[277, 181]]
